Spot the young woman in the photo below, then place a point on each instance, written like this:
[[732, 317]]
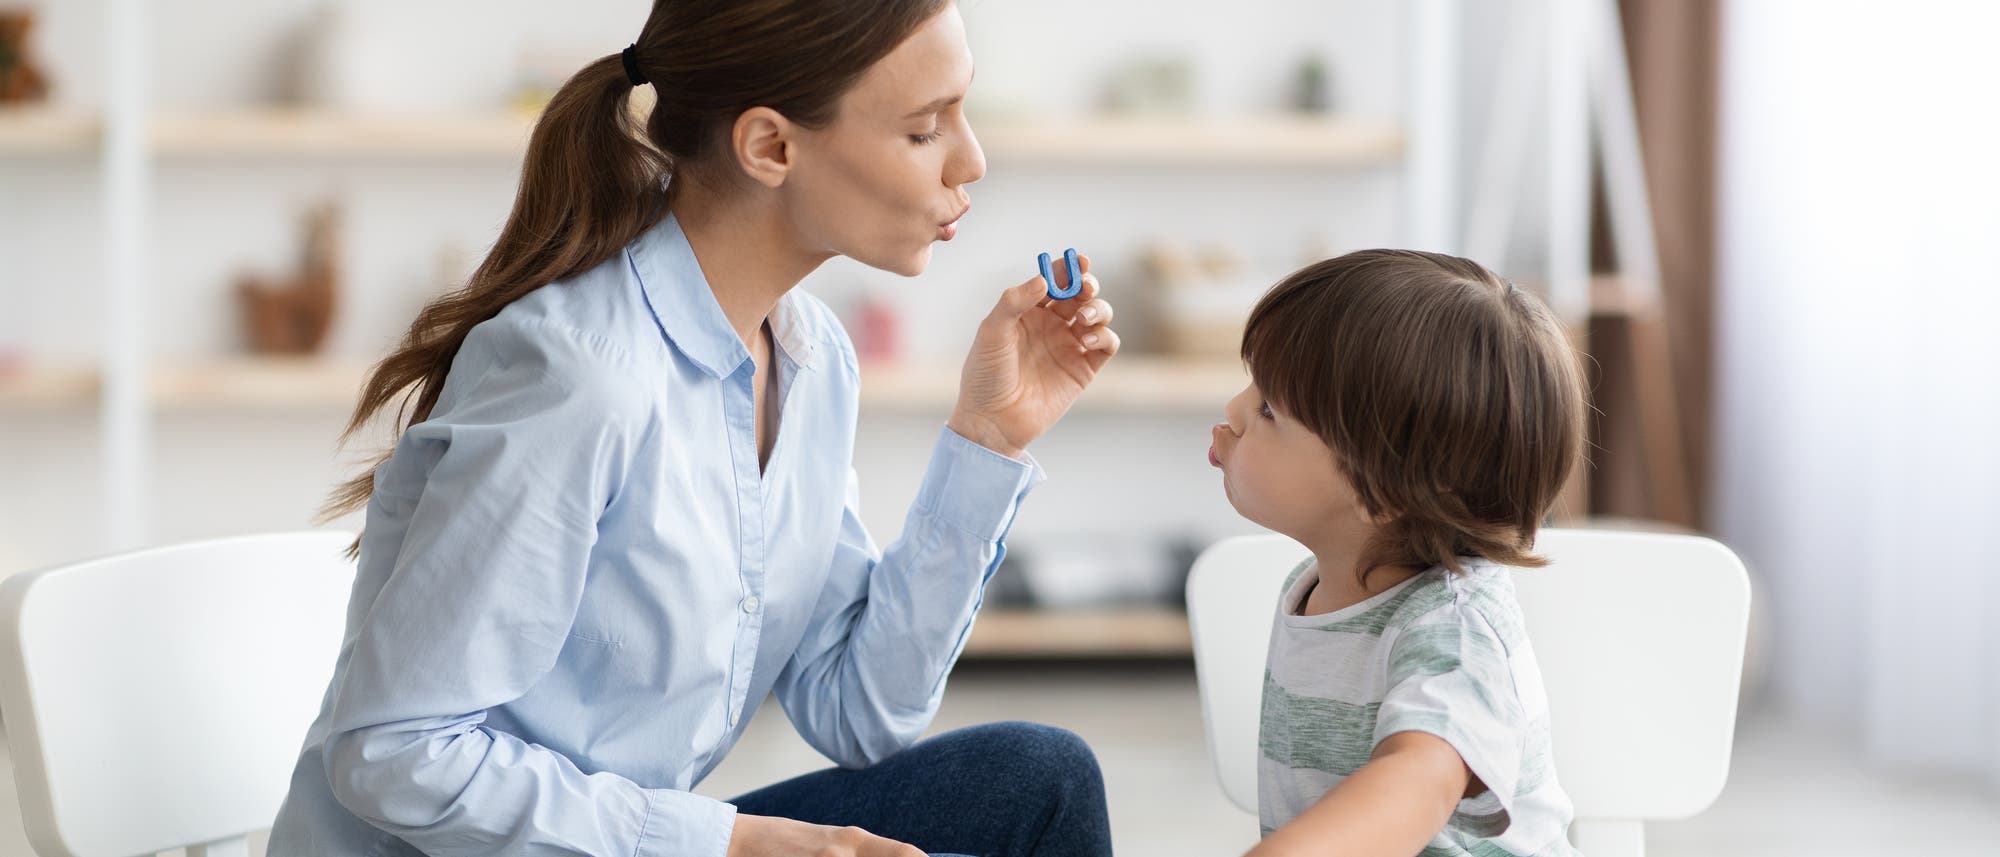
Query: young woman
[[622, 510]]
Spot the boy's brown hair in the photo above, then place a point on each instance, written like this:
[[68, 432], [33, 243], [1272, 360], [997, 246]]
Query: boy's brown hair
[[1450, 398]]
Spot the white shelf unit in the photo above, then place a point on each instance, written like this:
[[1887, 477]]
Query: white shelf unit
[[131, 137]]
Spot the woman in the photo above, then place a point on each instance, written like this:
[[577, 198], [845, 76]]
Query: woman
[[623, 510]]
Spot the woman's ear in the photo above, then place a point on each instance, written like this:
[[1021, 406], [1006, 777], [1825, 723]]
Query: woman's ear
[[762, 143]]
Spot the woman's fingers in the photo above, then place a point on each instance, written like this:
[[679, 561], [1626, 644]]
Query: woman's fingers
[[1097, 338], [1018, 300], [1094, 312]]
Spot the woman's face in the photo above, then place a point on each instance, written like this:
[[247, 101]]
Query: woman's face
[[887, 177]]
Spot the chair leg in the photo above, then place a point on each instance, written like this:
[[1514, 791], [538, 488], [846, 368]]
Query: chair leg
[[235, 847], [1603, 838]]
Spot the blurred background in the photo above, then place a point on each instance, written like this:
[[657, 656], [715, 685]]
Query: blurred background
[[1772, 224]]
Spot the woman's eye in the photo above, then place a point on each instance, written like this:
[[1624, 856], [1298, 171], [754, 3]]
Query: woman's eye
[[927, 139]]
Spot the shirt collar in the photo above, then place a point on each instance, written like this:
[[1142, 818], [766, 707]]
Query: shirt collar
[[684, 305]]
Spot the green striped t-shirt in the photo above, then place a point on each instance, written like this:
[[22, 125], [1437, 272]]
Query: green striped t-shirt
[[1441, 653]]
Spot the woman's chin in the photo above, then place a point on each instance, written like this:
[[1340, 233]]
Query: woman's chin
[[908, 264], [916, 264]]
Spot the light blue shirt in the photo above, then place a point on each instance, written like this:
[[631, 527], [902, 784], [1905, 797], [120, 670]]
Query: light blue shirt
[[576, 586]]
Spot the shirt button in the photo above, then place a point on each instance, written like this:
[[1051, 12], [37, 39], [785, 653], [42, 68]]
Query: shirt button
[[732, 719], [751, 604]]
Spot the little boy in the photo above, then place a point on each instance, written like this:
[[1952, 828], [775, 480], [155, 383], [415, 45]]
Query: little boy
[[1411, 419]]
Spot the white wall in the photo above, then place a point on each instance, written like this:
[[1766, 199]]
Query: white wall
[[1857, 411]]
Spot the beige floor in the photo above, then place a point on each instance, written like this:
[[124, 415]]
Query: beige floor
[[1793, 791]]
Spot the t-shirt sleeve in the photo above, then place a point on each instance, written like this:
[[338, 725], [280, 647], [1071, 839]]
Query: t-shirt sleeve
[[1449, 676]]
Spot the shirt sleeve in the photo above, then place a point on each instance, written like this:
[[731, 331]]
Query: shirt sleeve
[[1449, 676], [494, 502], [867, 677]]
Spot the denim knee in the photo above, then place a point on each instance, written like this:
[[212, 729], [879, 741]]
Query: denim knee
[[1061, 756]]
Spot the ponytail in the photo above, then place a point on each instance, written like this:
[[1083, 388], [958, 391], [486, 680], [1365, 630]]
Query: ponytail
[[590, 184]]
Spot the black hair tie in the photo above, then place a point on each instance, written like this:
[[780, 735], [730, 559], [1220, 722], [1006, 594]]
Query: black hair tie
[[630, 57]]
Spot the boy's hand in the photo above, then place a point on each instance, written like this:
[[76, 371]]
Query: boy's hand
[[1392, 807]]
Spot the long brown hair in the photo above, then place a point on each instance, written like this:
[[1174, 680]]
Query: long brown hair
[[1450, 398], [595, 177]]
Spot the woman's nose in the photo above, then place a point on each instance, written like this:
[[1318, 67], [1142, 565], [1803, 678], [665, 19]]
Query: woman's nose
[[968, 163]]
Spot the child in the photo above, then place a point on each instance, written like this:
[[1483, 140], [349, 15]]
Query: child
[[1411, 418]]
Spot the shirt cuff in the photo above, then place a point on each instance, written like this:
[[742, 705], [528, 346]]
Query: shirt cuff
[[975, 489], [684, 823]]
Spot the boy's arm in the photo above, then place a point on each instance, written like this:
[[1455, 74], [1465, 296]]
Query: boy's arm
[[1393, 806]]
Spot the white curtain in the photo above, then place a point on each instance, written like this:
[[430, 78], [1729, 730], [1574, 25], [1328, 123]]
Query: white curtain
[[1858, 327]]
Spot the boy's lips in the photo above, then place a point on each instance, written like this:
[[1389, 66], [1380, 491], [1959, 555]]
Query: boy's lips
[[1212, 460]]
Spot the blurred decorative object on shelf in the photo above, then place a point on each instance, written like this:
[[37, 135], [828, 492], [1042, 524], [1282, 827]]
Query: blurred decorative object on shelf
[[542, 67], [1158, 85], [877, 327], [292, 315], [20, 81], [1091, 568], [386, 56], [1203, 300], [1312, 89]]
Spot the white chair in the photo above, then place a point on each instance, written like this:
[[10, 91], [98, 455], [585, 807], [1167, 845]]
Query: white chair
[[158, 700], [1640, 639]]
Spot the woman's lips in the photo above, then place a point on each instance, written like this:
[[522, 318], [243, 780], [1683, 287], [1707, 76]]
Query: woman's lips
[[1212, 460], [950, 230]]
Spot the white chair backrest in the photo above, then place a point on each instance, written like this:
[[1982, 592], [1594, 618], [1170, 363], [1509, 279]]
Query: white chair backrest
[[1640, 640], [158, 699]]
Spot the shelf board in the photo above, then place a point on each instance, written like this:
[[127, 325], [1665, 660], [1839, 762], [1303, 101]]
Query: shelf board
[[319, 133], [48, 388], [280, 384], [47, 131], [260, 383], [1131, 382], [1267, 140], [1125, 632]]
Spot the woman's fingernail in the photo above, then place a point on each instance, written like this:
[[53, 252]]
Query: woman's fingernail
[[1089, 315], [1089, 340]]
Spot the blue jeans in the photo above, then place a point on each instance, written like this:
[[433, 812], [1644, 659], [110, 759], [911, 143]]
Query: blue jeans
[[997, 790]]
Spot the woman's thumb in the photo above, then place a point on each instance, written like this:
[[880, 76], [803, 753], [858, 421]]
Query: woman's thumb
[[1021, 298]]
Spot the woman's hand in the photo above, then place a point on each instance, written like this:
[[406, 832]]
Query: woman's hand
[[1030, 360], [765, 836]]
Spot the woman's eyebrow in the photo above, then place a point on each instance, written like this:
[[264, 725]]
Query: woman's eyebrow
[[944, 101], [934, 106]]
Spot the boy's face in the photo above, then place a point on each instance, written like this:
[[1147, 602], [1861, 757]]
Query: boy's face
[[1277, 473]]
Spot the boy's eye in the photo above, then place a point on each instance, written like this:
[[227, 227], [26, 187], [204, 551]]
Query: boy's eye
[[1264, 410]]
